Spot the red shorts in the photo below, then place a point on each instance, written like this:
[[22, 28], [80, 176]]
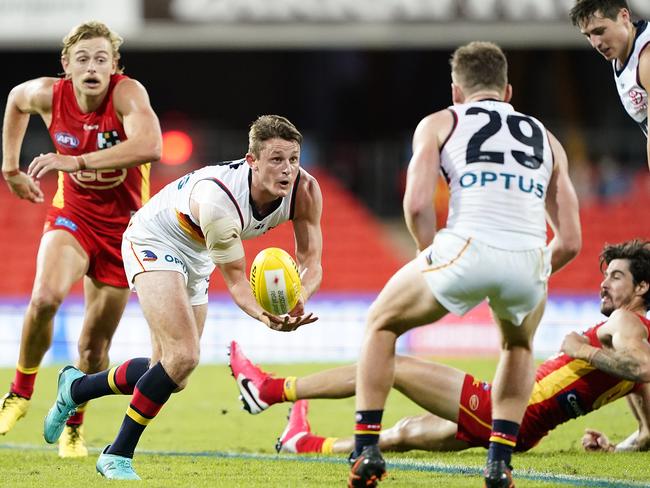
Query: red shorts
[[475, 417], [102, 245]]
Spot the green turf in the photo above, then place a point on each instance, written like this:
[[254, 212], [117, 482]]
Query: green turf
[[217, 444]]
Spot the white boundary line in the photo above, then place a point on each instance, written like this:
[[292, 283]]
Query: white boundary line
[[400, 464]]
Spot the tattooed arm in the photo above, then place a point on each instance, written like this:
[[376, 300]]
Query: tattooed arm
[[629, 355]]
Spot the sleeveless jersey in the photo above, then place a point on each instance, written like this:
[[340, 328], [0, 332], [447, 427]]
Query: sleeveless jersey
[[567, 388], [103, 197], [633, 96], [169, 209], [498, 163]]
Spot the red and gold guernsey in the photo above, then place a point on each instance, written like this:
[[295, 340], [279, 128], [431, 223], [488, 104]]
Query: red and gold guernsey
[[567, 388], [104, 198]]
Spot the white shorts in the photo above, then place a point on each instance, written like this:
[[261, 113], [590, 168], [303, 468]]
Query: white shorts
[[146, 250], [462, 272]]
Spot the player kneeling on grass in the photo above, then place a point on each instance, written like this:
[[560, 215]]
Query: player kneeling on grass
[[171, 248], [604, 363]]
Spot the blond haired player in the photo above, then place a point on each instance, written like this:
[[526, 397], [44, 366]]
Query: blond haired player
[[171, 248], [505, 172], [105, 133]]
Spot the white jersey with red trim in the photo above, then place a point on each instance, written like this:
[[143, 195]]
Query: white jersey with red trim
[[634, 97], [169, 210], [498, 163]]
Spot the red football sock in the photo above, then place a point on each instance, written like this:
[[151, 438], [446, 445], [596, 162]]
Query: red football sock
[[23, 383], [310, 443], [272, 391], [78, 417]]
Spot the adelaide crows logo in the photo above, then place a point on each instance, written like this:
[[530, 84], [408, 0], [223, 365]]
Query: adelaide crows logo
[[149, 255]]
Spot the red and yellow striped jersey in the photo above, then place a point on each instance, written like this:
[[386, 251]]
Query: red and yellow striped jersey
[[567, 388]]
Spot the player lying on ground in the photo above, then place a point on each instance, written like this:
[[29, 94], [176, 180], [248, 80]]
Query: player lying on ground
[[606, 362]]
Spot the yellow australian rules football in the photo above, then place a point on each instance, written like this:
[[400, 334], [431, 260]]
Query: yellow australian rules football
[[275, 280]]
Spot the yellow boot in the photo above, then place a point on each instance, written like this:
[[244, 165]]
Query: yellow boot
[[13, 408], [72, 443]]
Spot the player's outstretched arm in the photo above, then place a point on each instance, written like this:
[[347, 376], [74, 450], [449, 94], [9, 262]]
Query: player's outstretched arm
[[30, 97], [562, 210], [234, 274], [309, 238]]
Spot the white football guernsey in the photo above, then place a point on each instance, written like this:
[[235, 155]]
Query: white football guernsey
[[498, 163], [633, 96], [169, 209]]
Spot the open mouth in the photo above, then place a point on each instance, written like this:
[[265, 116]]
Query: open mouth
[[91, 82]]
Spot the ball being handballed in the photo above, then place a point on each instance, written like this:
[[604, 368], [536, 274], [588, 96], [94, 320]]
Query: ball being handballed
[[275, 280]]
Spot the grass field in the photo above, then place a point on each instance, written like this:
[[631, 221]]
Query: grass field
[[202, 438]]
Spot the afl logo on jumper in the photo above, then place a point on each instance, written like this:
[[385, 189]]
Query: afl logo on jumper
[[66, 140]]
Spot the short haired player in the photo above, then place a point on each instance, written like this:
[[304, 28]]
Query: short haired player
[[171, 248], [505, 172], [608, 26]]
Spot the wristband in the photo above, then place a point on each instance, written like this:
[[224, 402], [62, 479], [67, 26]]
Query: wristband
[[81, 162], [8, 174], [589, 356]]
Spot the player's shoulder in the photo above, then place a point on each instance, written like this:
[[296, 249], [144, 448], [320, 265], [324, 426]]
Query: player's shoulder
[[37, 86], [309, 199], [36, 93], [128, 87], [436, 123], [441, 118], [622, 320], [308, 182]]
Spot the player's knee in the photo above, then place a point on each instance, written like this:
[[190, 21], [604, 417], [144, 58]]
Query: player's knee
[[44, 303], [183, 362], [93, 357], [380, 317], [396, 438]]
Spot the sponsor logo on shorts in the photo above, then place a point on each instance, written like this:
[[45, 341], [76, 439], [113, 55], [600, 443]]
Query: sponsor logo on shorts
[[66, 139], [149, 255], [171, 259], [571, 403], [474, 402], [63, 222]]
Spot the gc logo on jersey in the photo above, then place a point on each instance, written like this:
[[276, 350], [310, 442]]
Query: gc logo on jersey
[[99, 179], [108, 138], [66, 139]]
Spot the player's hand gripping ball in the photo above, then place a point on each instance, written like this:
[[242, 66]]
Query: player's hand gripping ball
[[275, 280]]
